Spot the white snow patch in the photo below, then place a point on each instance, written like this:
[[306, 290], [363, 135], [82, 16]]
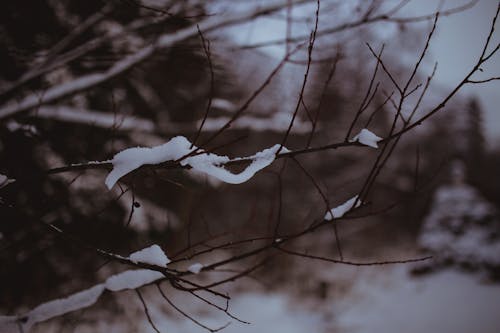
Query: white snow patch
[[339, 211], [153, 255], [132, 279], [4, 180], [195, 268], [132, 158], [267, 312], [61, 306], [445, 302], [210, 164], [367, 138]]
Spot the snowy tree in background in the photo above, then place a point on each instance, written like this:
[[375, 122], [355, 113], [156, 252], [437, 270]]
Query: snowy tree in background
[[462, 228]]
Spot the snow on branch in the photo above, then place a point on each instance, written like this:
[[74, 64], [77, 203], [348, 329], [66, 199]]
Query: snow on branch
[[177, 148], [367, 138], [94, 118], [132, 158], [153, 255], [278, 123], [61, 306], [341, 210], [195, 268], [130, 279], [4, 180]]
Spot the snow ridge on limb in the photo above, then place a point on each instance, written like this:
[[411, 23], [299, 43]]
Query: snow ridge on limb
[[4, 180], [212, 165], [131, 159], [341, 210], [61, 306], [130, 279], [195, 268], [366, 138], [152, 255]]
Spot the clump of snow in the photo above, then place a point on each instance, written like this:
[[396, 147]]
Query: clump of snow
[[132, 279], [61, 306], [132, 158], [339, 211], [153, 255], [195, 268], [4, 180], [178, 147], [367, 138], [212, 165]]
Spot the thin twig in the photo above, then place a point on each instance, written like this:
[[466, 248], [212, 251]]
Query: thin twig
[[162, 293], [146, 311], [206, 48]]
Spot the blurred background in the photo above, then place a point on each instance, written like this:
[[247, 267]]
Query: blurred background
[[438, 194]]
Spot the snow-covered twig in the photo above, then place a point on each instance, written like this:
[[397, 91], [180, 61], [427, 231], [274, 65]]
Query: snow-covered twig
[[94, 118], [131, 279], [367, 138], [179, 149], [341, 210]]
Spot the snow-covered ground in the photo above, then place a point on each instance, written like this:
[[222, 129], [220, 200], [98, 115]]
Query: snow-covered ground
[[383, 299], [367, 299], [276, 313], [389, 300]]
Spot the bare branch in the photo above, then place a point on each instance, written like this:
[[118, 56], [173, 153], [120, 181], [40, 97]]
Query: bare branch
[[162, 293], [352, 263]]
